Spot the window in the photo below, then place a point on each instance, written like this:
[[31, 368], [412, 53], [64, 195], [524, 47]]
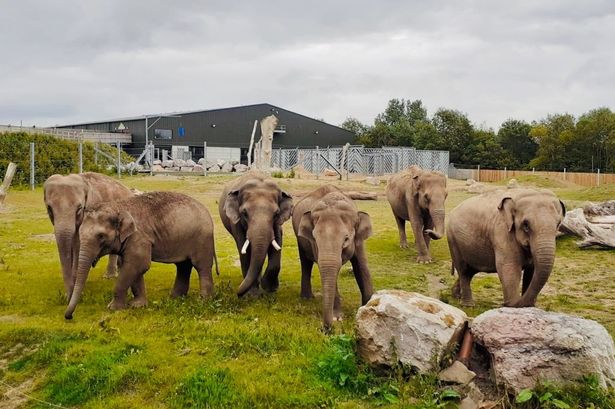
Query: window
[[163, 134]]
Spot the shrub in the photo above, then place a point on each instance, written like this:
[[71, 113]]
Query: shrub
[[52, 155]]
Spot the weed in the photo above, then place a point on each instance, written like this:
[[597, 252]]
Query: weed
[[207, 388], [586, 393], [277, 174]]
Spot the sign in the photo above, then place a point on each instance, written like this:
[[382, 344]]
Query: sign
[[181, 131]]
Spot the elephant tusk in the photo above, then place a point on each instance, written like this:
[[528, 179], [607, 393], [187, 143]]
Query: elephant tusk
[[244, 249], [276, 245]]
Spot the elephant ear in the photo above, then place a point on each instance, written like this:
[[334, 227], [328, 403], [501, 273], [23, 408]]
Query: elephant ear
[[563, 208], [231, 206], [286, 207], [416, 184], [507, 207], [306, 226], [126, 225], [364, 227]]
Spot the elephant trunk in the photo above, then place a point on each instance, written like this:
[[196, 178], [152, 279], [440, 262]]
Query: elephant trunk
[[65, 235], [437, 216], [258, 248], [329, 266], [543, 254], [86, 257]]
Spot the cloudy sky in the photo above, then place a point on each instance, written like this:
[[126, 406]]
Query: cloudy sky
[[68, 61]]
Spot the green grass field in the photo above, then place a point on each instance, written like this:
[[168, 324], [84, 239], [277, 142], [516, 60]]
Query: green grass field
[[230, 352]]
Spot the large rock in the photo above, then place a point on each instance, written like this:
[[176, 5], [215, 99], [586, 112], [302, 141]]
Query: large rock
[[397, 326], [186, 169], [157, 168], [227, 167], [167, 164], [240, 167], [179, 163], [528, 344], [198, 168], [157, 162], [190, 163], [476, 187], [214, 169], [220, 162], [470, 182]]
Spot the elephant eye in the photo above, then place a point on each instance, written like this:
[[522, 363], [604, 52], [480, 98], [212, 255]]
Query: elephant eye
[[525, 226], [426, 197], [244, 213]]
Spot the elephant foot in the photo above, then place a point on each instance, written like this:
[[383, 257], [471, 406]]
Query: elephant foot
[[138, 303], [254, 292], [307, 295], [270, 283], [110, 274], [403, 245], [456, 290], [423, 259], [116, 305], [468, 303]]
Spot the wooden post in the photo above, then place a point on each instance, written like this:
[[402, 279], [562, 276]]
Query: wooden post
[[598, 178], [32, 165], [6, 183], [478, 174]]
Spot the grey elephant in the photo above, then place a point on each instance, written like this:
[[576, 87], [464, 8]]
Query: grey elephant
[[67, 198], [253, 209], [330, 231], [157, 226], [510, 232], [418, 196]]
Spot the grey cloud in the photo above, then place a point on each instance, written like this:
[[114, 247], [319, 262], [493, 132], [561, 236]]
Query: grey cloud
[[73, 60]]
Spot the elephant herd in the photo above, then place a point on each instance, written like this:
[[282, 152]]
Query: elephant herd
[[509, 232]]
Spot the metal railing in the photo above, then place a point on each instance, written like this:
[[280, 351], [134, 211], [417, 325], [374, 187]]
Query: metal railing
[[73, 134]]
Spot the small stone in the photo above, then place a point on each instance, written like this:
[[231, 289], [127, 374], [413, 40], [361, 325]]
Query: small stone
[[457, 373], [476, 187], [468, 403], [512, 184], [240, 167], [372, 180], [330, 172], [186, 169], [470, 182]]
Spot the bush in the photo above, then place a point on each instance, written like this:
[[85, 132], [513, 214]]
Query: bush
[[52, 155]]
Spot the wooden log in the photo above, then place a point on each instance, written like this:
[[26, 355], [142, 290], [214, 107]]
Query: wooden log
[[362, 195], [575, 223], [6, 183], [600, 209]]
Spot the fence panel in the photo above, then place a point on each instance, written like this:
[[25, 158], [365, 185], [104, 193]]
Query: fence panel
[[579, 178]]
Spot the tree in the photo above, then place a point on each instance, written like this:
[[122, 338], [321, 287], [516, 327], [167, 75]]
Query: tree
[[488, 152], [354, 125], [455, 132], [514, 137], [552, 134], [594, 141]]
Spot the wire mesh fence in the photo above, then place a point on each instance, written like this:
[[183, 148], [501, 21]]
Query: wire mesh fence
[[355, 159], [38, 157]]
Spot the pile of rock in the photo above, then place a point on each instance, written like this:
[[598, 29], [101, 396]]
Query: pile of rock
[[181, 165]]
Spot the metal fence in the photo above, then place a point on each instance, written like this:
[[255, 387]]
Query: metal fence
[[73, 134], [356, 159]]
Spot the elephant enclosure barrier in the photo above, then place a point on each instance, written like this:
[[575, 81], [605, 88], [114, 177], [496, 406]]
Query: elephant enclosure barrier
[[494, 175], [353, 159]]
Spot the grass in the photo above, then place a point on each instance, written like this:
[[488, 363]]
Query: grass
[[230, 352]]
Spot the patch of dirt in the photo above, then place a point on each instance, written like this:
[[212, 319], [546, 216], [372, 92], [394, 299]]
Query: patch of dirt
[[435, 285], [10, 319], [43, 237], [16, 396]]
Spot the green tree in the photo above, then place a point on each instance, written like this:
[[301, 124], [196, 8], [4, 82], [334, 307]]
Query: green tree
[[594, 141], [356, 126], [488, 152], [455, 135], [514, 137], [552, 134]]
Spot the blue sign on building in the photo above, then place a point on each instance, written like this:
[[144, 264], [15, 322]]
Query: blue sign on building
[[181, 131]]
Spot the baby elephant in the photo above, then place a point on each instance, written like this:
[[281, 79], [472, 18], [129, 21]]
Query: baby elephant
[[330, 231], [157, 226], [510, 232]]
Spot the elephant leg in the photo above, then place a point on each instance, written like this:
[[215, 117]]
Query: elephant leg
[[132, 269], [423, 255], [362, 274], [510, 277], [244, 259], [111, 267], [182, 279], [456, 290], [271, 281], [138, 290], [465, 289], [306, 274], [203, 266], [401, 226], [528, 274]]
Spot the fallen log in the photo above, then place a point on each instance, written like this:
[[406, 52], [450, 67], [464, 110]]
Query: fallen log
[[362, 195], [592, 234], [6, 183]]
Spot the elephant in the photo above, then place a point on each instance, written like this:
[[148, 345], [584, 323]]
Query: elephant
[[330, 231], [510, 232], [66, 199], [418, 196], [253, 209], [166, 227]]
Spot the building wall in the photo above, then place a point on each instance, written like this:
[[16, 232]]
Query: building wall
[[231, 127]]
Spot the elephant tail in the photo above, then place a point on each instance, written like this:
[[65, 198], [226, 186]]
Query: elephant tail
[[215, 258], [452, 268]]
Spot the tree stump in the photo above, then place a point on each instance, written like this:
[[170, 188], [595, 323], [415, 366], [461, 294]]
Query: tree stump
[[594, 224]]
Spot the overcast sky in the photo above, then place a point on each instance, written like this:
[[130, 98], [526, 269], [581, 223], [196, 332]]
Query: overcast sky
[[69, 61]]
